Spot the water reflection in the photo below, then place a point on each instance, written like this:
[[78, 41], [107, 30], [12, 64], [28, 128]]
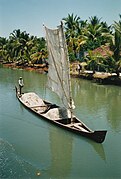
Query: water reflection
[[114, 112], [61, 152], [98, 101], [99, 150], [90, 95]]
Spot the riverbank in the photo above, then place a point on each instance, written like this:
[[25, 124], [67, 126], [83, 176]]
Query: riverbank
[[98, 77], [40, 68]]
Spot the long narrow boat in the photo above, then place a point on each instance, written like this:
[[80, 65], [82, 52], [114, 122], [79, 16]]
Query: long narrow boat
[[58, 115]]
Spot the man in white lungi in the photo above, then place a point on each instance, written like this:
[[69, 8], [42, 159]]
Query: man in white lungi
[[21, 84]]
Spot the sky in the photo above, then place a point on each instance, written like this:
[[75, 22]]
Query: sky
[[30, 15]]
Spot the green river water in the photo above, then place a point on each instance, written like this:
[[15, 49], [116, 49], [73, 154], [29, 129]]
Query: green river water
[[30, 147]]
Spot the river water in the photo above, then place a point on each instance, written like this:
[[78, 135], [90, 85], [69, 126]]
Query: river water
[[33, 148]]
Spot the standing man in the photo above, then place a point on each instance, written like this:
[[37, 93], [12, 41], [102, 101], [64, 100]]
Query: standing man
[[21, 84], [79, 68]]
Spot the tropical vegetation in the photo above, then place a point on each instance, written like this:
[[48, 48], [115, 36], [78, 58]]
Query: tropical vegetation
[[22, 49], [83, 38]]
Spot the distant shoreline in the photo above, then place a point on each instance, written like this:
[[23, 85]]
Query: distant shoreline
[[101, 78], [98, 77], [41, 68]]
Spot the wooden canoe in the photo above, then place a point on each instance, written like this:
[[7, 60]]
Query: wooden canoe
[[59, 116]]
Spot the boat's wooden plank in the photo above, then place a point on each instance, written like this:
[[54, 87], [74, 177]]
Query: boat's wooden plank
[[70, 125], [80, 127], [77, 126], [38, 106]]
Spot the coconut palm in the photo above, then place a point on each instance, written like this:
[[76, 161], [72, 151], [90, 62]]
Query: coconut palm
[[5, 50], [116, 45], [3, 42], [22, 44], [94, 61], [98, 33], [71, 27]]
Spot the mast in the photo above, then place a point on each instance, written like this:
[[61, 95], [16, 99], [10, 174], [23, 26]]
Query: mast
[[68, 62]]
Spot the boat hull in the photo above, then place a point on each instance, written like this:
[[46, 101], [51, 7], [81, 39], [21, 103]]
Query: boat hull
[[76, 126], [97, 136]]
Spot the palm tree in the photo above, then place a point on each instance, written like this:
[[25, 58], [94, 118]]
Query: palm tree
[[71, 27], [5, 50], [3, 42], [116, 45], [94, 62], [21, 45], [22, 48], [38, 50], [98, 33], [71, 24]]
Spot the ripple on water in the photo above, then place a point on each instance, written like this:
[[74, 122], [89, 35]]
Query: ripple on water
[[11, 165]]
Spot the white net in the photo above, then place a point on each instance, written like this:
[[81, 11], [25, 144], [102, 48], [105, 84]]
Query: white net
[[58, 73]]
